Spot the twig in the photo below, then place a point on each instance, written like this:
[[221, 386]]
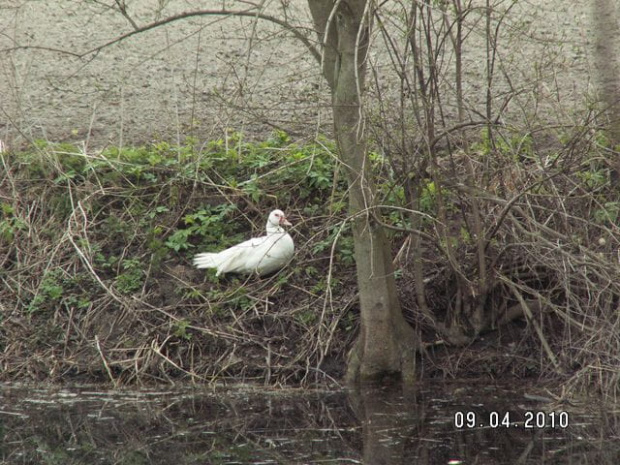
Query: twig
[[105, 363], [537, 328], [223, 12]]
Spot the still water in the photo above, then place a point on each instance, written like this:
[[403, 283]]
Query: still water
[[458, 423]]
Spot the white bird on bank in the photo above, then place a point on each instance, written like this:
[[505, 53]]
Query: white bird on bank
[[260, 255]]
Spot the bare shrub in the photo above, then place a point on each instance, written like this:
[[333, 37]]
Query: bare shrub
[[524, 209]]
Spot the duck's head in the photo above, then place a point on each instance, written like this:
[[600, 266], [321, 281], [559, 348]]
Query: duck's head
[[278, 218]]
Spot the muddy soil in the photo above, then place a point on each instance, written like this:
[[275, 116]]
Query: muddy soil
[[203, 75]]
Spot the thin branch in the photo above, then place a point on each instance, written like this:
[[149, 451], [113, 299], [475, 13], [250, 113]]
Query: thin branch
[[42, 48], [123, 9], [191, 14]]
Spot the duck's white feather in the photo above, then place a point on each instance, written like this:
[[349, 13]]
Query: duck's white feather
[[260, 255]]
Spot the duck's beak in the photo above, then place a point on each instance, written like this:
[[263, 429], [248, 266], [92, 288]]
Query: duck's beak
[[284, 221]]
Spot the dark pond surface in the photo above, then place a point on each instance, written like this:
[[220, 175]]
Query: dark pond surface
[[438, 423]]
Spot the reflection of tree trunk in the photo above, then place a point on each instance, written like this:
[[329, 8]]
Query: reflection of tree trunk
[[386, 344], [385, 421], [605, 22]]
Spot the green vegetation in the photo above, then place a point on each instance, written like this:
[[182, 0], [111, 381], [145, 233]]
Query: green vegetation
[[101, 244], [96, 253]]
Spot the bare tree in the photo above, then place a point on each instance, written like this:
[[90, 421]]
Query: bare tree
[[605, 18], [386, 343]]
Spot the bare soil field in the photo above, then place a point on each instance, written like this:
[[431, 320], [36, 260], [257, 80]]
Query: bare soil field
[[203, 75]]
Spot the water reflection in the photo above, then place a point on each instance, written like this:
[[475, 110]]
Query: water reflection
[[244, 425]]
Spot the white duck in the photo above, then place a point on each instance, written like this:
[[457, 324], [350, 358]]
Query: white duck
[[261, 255]]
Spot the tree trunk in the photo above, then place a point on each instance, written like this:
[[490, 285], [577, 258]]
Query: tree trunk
[[386, 344], [607, 47]]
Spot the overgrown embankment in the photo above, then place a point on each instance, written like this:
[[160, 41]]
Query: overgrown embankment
[[96, 263], [514, 245]]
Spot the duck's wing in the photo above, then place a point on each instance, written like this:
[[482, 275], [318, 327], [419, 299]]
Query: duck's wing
[[275, 254], [261, 255], [240, 258]]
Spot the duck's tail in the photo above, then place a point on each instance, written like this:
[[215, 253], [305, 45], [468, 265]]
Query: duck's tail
[[206, 260]]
